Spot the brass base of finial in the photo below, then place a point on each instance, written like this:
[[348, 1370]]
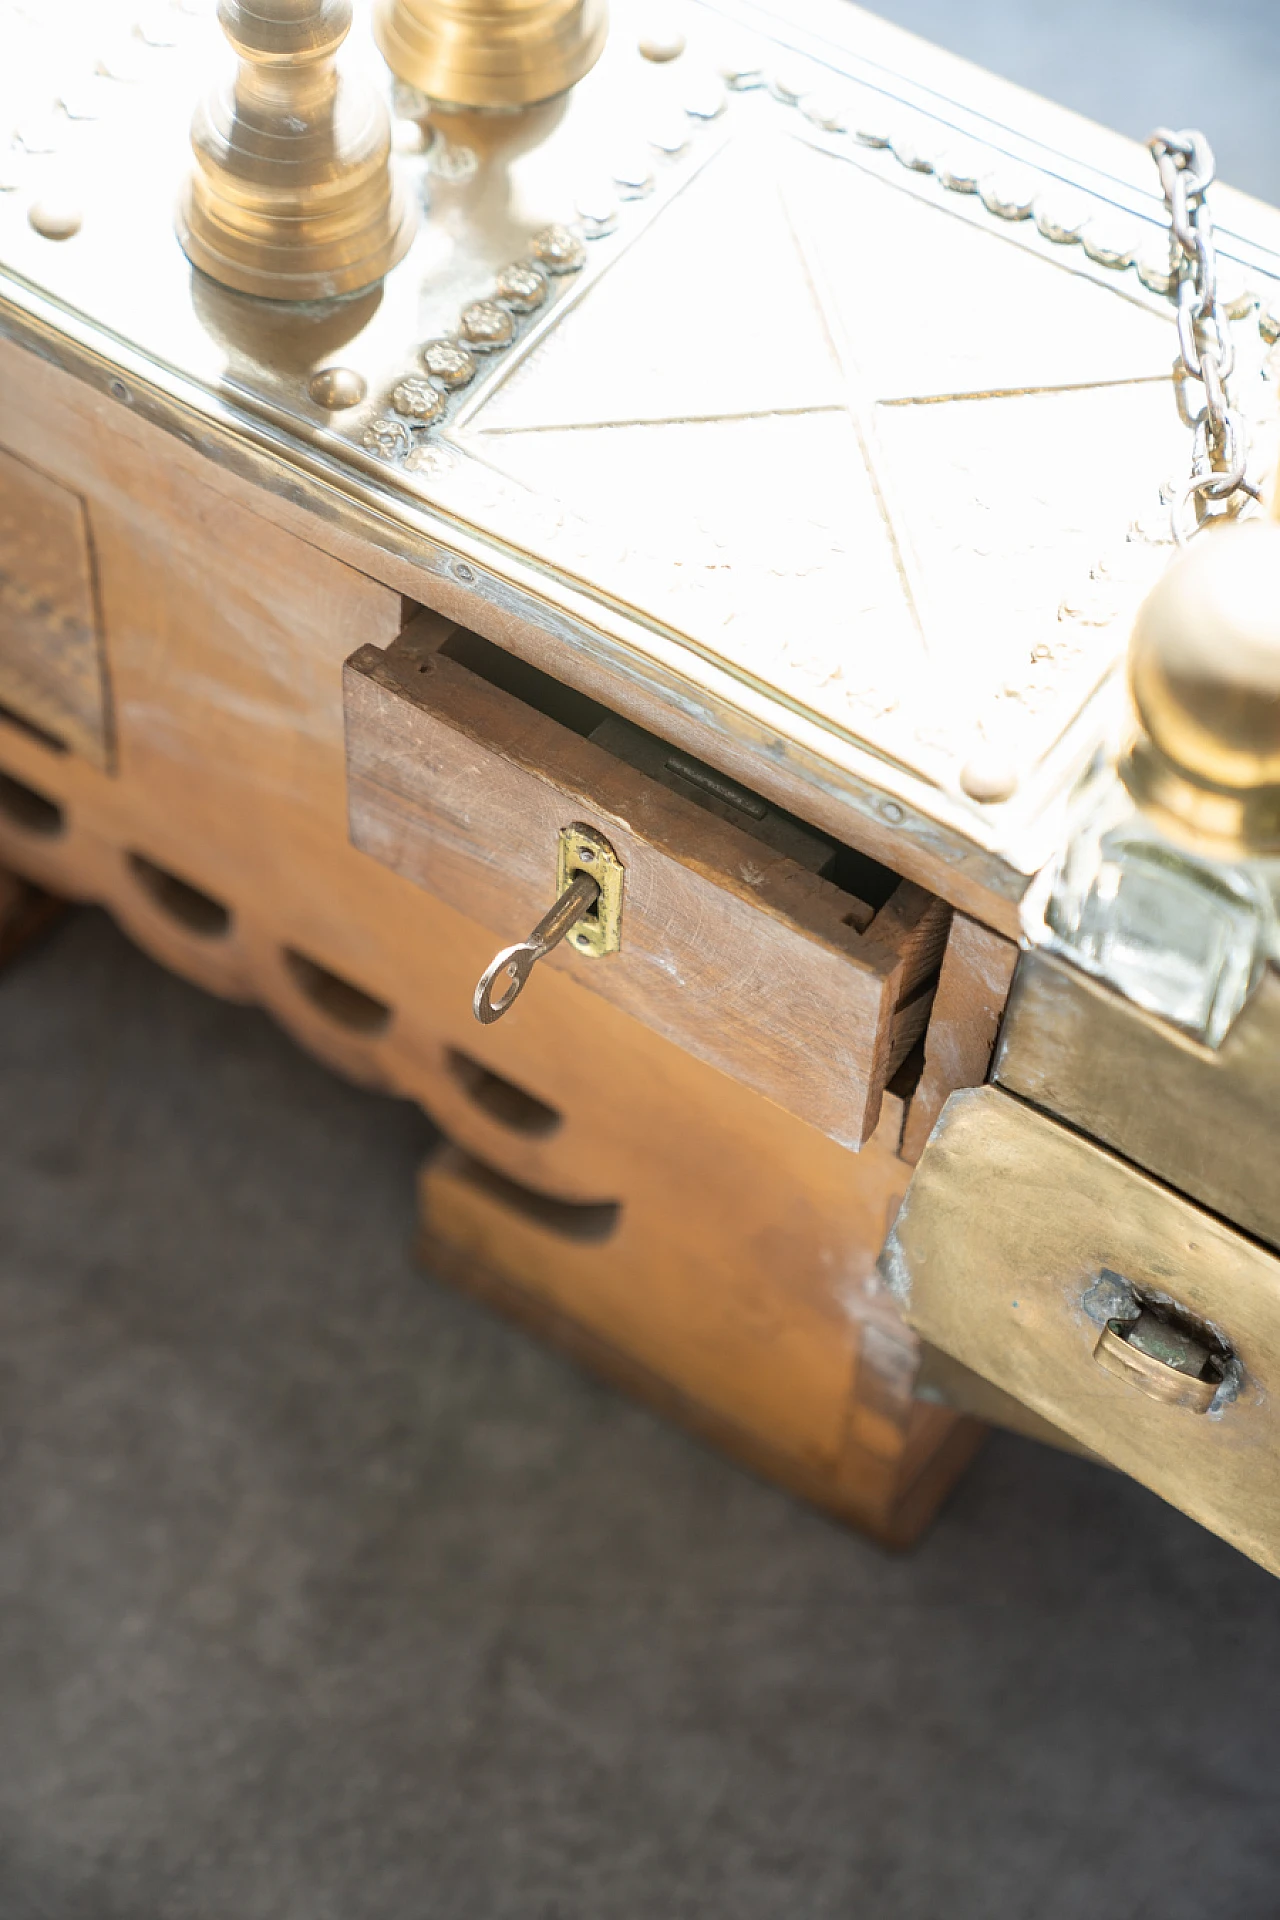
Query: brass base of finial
[[491, 53], [293, 196], [1204, 679], [1214, 821]]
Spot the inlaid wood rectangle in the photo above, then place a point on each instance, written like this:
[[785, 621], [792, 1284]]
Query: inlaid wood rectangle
[[52, 672], [803, 988]]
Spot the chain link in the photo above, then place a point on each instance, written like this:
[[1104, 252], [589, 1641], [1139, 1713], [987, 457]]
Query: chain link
[[1220, 450]]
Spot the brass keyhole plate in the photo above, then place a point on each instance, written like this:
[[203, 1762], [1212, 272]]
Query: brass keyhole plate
[[582, 850]]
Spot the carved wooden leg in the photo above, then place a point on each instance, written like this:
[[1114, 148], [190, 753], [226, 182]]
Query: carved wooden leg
[[26, 912], [742, 1304]]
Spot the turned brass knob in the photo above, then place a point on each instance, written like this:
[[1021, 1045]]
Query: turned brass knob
[[490, 53], [1204, 676], [292, 197]]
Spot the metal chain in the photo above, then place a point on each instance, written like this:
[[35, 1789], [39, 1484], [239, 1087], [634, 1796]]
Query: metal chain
[[1220, 450]]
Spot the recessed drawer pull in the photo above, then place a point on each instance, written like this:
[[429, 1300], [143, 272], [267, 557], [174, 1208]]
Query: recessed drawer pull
[[1162, 1360], [589, 875]]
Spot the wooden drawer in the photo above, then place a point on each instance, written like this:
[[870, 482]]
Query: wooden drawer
[[1025, 1252], [800, 968]]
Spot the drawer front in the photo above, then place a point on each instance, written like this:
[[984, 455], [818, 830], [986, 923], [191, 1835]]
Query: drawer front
[[1024, 1251], [734, 949]]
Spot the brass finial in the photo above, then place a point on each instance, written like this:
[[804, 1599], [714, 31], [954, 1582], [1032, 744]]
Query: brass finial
[[292, 197], [490, 53], [1204, 675]]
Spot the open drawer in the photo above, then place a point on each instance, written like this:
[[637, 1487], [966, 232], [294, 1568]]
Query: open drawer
[[797, 966], [1141, 1326]]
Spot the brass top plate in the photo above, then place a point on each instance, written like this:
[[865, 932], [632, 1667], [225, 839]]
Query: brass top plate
[[814, 438]]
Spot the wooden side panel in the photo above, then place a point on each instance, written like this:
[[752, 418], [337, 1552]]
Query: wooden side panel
[[731, 951], [1200, 1118], [739, 1282], [977, 972], [52, 673], [724, 1329]]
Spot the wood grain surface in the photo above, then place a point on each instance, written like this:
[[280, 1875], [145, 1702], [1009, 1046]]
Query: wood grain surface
[[739, 1267], [52, 674], [977, 973], [731, 950]]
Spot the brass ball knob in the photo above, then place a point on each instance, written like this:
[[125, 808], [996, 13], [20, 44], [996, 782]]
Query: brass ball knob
[[1204, 677], [490, 53]]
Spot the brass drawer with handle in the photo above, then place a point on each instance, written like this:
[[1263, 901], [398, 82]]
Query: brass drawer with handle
[[798, 967], [1143, 1327]]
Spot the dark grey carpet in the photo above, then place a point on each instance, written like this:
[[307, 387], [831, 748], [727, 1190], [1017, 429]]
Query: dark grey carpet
[[325, 1596]]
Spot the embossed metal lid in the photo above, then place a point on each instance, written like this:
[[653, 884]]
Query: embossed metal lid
[[843, 422]]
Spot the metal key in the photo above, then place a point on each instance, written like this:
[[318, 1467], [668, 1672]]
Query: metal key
[[518, 962]]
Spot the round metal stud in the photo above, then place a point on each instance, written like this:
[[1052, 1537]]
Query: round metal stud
[[1010, 194], [597, 208], [741, 70], [39, 135], [447, 362], [418, 401], [1109, 245], [962, 169], [1061, 220], [871, 121], [913, 148], [452, 162], [704, 97], [633, 176], [558, 250], [826, 111], [522, 287], [335, 388], [123, 60], [486, 326], [660, 41], [1235, 296], [87, 98], [56, 218], [669, 133], [988, 777], [430, 459], [790, 83], [1156, 267], [390, 439]]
